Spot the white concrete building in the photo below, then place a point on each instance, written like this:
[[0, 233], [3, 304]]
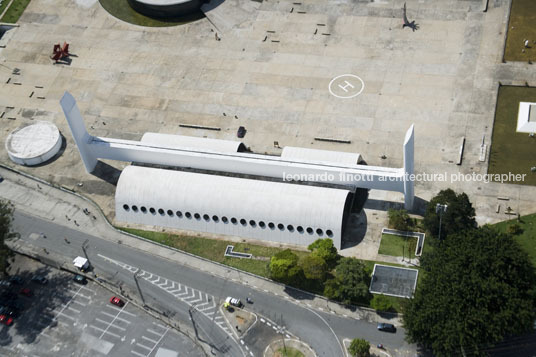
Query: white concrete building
[[270, 211]]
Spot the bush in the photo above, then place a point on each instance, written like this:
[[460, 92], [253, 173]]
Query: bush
[[284, 267], [514, 229], [325, 249], [399, 219], [381, 303], [359, 348]]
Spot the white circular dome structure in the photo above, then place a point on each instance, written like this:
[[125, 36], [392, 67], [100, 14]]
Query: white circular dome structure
[[34, 143]]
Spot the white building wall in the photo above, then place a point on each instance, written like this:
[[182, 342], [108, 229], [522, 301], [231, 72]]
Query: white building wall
[[168, 197]]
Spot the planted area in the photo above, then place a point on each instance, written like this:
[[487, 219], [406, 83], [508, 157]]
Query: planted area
[[398, 246], [521, 28], [512, 152]]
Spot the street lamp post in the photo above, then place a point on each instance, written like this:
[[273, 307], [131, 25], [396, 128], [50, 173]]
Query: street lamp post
[[440, 209]]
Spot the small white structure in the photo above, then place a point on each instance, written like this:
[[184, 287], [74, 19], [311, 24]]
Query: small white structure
[[81, 263], [271, 211], [34, 143], [526, 117]]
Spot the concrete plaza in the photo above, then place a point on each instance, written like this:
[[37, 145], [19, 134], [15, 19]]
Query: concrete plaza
[[270, 72]]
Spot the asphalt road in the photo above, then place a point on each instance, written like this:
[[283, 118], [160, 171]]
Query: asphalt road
[[174, 289]]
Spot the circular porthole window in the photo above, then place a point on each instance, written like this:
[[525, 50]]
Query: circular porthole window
[[234, 220], [170, 213], [197, 216], [262, 224], [299, 229], [271, 225], [281, 226], [290, 228], [152, 210], [310, 230], [143, 209], [179, 214], [319, 232], [135, 208], [206, 217], [188, 215], [161, 211], [215, 219], [252, 223], [329, 233], [243, 222], [126, 208], [224, 219]]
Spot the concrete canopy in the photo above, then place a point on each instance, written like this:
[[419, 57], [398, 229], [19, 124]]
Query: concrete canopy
[[272, 211]]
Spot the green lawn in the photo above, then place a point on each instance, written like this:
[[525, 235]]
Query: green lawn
[[511, 151], [397, 246], [122, 10], [527, 239], [520, 28], [15, 10], [288, 352], [213, 249]]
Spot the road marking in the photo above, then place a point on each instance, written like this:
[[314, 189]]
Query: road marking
[[104, 332], [156, 344], [138, 354], [153, 332], [73, 309], [79, 303], [102, 321], [118, 309], [269, 324], [148, 339], [116, 317], [65, 306], [143, 346], [263, 320], [64, 315], [159, 325]]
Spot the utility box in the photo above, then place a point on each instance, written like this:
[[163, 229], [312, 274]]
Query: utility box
[[81, 263]]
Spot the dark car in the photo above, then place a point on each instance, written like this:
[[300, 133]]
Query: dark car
[[1, 179], [241, 132], [26, 292], [80, 279], [16, 280], [386, 327], [40, 279]]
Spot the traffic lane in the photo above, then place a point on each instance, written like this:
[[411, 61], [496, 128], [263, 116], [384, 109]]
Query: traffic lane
[[161, 300], [302, 322]]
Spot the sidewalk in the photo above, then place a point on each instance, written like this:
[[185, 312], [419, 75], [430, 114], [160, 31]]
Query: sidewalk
[[35, 196]]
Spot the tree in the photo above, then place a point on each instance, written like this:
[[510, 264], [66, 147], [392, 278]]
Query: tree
[[325, 249], [351, 282], [314, 268], [359, 348], [477, 290], [460, 214], [398, 219], [6, 217], [284, 267]]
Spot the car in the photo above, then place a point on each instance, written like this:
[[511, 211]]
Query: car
[[5, 283], [40, 279], [241, 132], [386, 327], [234, 301], [80, 279], [1, 179], [117, 301], [6, 320], [16, 280], [26, 292]]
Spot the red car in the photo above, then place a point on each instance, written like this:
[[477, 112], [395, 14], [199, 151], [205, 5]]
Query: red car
[[117, 301], [6, 320], [26, 292]]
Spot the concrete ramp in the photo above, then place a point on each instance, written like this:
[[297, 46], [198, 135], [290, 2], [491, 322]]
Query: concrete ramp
[[226, 15]]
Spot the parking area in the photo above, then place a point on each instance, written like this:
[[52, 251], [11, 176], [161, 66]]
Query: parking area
[[64, 317]]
